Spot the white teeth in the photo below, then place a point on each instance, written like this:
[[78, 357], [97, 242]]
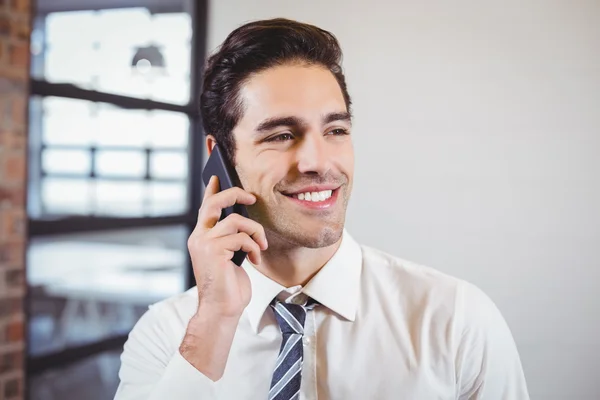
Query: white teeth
[[315, 196]]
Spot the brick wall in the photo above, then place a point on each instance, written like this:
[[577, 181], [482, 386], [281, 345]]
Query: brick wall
[[14, 74]]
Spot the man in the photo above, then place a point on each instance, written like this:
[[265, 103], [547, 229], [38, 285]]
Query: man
[[311, 313]]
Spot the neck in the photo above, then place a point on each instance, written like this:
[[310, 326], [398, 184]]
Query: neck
[[294, 265]]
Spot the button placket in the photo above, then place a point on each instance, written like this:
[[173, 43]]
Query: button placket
[[309, 383]]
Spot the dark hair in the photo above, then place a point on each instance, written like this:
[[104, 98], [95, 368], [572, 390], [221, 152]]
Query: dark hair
[[253, 48]]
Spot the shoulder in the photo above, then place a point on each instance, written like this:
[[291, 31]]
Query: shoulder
[[416, 283], [405, 274]]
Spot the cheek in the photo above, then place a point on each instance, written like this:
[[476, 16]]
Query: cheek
[[264, 173], [345, 158]]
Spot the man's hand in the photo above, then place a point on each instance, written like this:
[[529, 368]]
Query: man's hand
[[223, 288]]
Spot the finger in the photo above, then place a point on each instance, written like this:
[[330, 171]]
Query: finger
[[236, 223], [241, 241], [227, 198], [210, 212], [212, 188]]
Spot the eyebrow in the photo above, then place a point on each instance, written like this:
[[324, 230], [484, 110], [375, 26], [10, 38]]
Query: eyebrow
[[337, 116], [276, 122]]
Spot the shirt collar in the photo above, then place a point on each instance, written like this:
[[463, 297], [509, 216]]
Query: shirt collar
[[335, 286]]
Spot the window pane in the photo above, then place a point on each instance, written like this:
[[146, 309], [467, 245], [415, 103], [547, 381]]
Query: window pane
[[66, 161], [68, 57], [117, 127], [119, 198], [66, 121], [168, 165], [129, 51], [167, 198], [168, 129], [66, 196], [121, 163]]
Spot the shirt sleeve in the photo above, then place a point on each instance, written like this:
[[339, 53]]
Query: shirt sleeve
[[152, 367], [488, 363]]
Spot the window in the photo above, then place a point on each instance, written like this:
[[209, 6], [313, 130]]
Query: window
[[99, 158], [114, 136]]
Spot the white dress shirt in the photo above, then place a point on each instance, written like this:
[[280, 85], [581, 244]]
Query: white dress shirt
[[385, 329]]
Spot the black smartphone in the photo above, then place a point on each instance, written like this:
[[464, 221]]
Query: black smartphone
[[218, 165]]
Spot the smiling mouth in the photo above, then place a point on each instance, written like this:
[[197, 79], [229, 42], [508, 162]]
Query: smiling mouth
[[315, 200], [315, 197]]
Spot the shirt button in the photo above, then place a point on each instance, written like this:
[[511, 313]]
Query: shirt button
[[306, 341]]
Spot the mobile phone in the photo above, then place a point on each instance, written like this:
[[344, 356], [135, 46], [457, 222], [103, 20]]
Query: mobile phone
[[218, 165]]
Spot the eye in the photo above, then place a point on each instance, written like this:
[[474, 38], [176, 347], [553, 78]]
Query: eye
[[338, 132], [280, 138]]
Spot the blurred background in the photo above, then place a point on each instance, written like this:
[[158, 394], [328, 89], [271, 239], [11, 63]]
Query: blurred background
[[484, 117], [99, 121]]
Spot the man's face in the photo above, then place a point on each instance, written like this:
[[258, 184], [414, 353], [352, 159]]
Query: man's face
[[294, 152]]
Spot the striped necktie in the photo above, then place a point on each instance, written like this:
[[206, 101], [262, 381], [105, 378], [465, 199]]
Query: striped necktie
[[285, 384]]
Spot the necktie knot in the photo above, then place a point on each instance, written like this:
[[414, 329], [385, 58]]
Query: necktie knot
[[292, 316]]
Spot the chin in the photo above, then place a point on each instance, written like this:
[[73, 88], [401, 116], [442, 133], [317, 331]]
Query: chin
[[312, 238], [324, 237]]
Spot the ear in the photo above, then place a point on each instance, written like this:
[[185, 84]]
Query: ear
[[210, 143]]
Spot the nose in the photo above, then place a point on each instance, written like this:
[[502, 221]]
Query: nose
[[313, 155]]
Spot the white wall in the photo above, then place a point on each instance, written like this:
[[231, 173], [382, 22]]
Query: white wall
[[477, 136]]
